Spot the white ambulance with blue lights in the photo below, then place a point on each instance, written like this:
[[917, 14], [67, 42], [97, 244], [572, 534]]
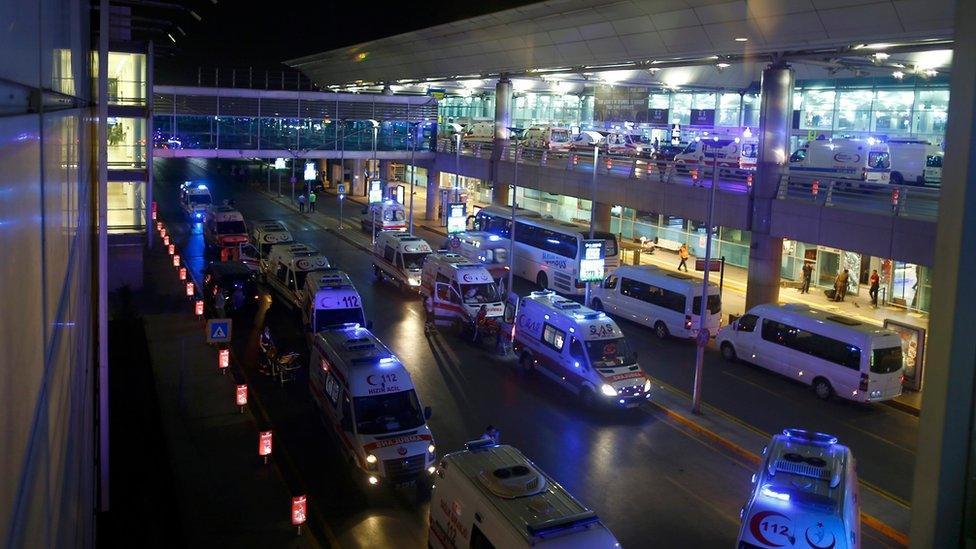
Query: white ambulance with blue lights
[[287, 268], [843, 159], [399, 257], [804, 495], [482, 247], [578, 348], [490, 495], [195, 200], [365, 394], [460, 293], [264, 234], [387, 215], [330, 300]]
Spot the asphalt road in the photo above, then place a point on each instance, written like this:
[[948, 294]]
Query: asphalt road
[[646, 477]]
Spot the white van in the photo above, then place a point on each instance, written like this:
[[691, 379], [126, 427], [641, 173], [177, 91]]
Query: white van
[[547, 137], [224, 228], [805, 492], [835, 354], [195, 199], [578, 348], [479, 132], [330, 299], [585, 140], [265, 234], [490, 495], [399, 257], [667, 302], [735, 156], [845, 159], [482, 247], [288, 266], [388, 215], [365, 394], [908, 160], [455, 290]]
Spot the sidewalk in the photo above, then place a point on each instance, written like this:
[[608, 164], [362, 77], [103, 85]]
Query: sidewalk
[[227, 496]]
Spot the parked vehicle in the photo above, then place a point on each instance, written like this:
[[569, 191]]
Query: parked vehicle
[[399, 257], [288, 266], [264, 234], [547, 137], [933, 169], [229, 287], [909, 158], [668, 302], [843, 159], [460, 294], [835, 354], [224, 228], [330, 300], [484, 248], [490, 495], [805, 494], [479, 132], [195, 200], [387, 215]]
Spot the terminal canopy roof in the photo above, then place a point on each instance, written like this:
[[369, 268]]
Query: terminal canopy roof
[[575, 36]]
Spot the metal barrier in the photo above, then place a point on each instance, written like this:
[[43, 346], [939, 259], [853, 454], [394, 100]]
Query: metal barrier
[[856, 195]]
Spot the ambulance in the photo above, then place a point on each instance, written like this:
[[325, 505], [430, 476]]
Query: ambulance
[[459, 293], [579, 349], [490, 495], [365, 394], [805, 494], [388, 215], [399, 257], [482, 247], [736, 157], [288, 267], [330, 299], [265, 234], [195, 199], [843, 159], [224, 228]]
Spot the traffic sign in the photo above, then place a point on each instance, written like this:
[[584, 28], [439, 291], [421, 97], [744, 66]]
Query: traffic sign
[[341, 188], [219, 330], [703, 336]]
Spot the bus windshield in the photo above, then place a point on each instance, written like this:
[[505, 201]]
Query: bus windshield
[[886, 361], [480, 293], [389, 413], [334, 317], [609, 352]]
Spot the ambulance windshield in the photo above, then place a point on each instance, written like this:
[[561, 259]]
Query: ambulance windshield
[[389, 413], [480, 293], [413, 261], [200, 199], [610, 352]]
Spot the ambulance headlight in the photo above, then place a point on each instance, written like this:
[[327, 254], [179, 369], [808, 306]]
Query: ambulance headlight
[[647, 386], [431, 470], [608, 390], [373, 480], [370, 458], [413, 281], [430, 448]]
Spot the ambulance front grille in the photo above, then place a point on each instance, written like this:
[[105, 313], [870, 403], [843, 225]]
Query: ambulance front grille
[[403, 468]]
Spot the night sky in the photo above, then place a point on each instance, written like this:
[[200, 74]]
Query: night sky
[[237, 34]]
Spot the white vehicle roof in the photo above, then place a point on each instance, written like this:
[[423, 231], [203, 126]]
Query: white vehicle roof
[[225, 213], [824, 322], [669, 280], [300, 257], [501, 211], [458, 268], [329, 279], [198, 190], [403, 242], [558, 308], [848, 143], [527, 499], [269, 231], [359, 356]]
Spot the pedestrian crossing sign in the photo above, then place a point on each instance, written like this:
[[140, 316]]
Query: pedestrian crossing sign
[[218, 330]]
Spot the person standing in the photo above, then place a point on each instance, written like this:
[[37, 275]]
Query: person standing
[[301, 203], [807, 275], [840, 286], [311, 201], [683, 254], [875, 281]]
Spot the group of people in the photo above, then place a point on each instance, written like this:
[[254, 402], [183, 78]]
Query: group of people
[[841, 282], [309, 200]]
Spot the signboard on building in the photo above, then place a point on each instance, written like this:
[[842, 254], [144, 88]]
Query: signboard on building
[[310, 173], [375, 191], [457, 217], [702, 117], [912, 351], [658, 116], [620, 104], [592, 263]]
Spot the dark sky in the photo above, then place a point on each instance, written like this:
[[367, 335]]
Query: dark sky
[[237, 33]]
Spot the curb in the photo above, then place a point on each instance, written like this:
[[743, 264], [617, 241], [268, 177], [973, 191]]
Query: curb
[[903, 407], [876, 524]]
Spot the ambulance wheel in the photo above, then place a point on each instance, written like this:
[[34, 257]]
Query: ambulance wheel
[[587, 398], [822, 388], [597, 304], [661, 330], [542, 281], [728, 352], [526, 362]]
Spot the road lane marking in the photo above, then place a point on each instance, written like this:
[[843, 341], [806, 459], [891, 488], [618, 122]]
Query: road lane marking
[[721, 512]]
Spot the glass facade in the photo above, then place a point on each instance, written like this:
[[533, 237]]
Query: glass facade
[[126, 143], [126, 78], [126, 206]]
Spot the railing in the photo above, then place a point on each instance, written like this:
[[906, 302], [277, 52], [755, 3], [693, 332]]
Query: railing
[[242, 77], [848, 194]]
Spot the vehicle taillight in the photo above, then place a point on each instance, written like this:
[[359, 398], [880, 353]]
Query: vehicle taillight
[[864, 382], [901, 379], [687, 322], [580, 284]]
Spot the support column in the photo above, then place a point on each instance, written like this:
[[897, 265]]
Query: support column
[[338, 171], [384, 170], [503, 121], [433, 192], [358, 180], [943, 491], [766, 252], [601, 217]]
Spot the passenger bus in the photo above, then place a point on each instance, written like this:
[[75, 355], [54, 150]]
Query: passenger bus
[[547, 251]]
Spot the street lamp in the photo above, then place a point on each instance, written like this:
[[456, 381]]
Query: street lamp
[[414, 126], [457, 161], [376, 127], [596, 155], [703, 335], [511, 230]]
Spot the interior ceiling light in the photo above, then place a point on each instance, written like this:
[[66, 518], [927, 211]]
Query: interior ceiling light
[[722, 65], [881, 56], [898, 75], [740, 39]]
